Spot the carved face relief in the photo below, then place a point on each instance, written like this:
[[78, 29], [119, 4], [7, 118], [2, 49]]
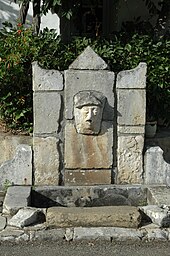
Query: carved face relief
[[88, 111]]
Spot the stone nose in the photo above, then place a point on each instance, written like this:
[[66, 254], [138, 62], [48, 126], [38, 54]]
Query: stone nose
[[89, 116]]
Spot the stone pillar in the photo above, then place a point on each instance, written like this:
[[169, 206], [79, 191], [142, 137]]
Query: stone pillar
[[157, 170], [131, 109], [47, 87], [89, 102]]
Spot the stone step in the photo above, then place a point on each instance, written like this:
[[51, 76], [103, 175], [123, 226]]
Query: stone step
[[158, 195], [110, 216]]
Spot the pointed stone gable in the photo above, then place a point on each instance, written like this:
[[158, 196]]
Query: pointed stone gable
[[89, 60]]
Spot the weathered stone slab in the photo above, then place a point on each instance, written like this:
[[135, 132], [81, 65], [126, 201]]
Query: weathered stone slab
[[130, 159], [87, 177], [88, 59], [46, 80], [85, 151], [46, 161], [131, 107], [159, 195], [16, 198], [107, 233], [88, 196], [13, 235], [2, 222], [18, 171], [134, 78], [9, 143], [11, 232], [118, 216], [26, 217], [158, 215], [157, 170], [100, 81], [47, 108]]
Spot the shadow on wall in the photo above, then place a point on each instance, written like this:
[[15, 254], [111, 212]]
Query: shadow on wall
[[10, 12]]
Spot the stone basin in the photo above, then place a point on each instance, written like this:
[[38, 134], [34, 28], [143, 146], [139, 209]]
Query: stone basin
[[89, 196]]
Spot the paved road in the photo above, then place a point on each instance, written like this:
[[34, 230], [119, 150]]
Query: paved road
[[85, 248]]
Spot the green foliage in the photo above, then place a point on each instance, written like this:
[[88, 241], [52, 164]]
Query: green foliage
[[19, 48]]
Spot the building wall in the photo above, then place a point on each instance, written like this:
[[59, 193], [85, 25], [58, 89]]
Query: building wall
[[10, 11], [122, 11]]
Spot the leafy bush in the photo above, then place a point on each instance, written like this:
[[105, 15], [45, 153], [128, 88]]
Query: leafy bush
[[19, 47]]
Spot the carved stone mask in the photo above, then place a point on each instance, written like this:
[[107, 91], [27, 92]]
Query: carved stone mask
[[88, 111]]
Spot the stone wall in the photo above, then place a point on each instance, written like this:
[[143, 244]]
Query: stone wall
[[89, 127], [131, 109], [72, 148], [48, 112]]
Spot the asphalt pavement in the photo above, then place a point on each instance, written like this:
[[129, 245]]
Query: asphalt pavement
[[99, 248]]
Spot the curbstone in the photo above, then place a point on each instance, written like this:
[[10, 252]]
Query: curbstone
[[48, 235], [107, 233]]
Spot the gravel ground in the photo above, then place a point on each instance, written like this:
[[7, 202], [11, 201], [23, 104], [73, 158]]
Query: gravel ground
[[84, 248]]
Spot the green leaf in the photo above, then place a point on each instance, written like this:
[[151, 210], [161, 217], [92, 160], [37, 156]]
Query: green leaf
[[128, 47]]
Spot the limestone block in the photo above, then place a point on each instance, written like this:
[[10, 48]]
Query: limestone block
[[9, 143], [157, 170], [107, 233], [46, 161], [16, 198], [46, 80], [159, 195], [88, 151], [157, 214], [131, 107], [87, 177], [88, 59], [134, 78], [130, 159], [18, 171], [26, 217], [100, 81], [110, 216], [47, 108]]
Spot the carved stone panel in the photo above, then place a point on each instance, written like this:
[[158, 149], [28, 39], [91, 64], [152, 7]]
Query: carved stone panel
[[100, 81], [88, 151], [88, 111]]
